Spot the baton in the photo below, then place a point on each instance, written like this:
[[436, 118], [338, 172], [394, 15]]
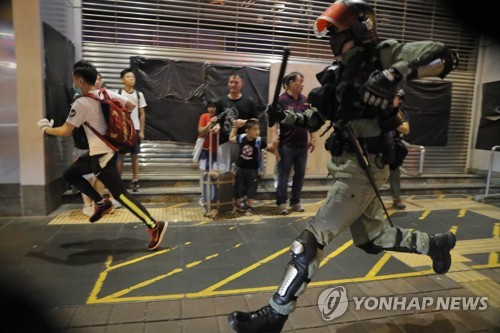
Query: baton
[[281, 75]]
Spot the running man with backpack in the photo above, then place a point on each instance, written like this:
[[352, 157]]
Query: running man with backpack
[[87, 111]]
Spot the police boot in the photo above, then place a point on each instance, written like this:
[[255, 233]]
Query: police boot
[[440, 246], [264, 320]]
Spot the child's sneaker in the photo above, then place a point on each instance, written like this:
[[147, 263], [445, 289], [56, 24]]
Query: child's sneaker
[[157, 234], [134, 186], [397, 203], [100, 210], [298, 208], [249, 211], [282, 209]]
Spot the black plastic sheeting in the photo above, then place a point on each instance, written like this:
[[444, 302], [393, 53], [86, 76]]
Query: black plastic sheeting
[[177, 92], [428, 105], [488, 134], [59, 58]]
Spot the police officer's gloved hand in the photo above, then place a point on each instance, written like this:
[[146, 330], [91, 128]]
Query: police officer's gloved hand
[[274, 114], [380, 88]]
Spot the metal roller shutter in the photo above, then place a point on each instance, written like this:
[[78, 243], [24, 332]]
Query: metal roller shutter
[[253, 32]]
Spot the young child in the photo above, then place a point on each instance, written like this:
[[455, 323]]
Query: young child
[[205, 129], [139, 118], [247, 172], [101, 159]]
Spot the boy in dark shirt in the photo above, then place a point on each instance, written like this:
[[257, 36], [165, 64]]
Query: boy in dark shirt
[[249, 156]]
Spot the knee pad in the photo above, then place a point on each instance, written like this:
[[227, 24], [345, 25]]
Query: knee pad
[[303, 251]]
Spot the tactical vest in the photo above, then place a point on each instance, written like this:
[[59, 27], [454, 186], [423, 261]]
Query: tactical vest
[[340, 94]]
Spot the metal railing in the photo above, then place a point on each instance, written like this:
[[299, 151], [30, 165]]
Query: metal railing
[[492, 162], [421, 158]]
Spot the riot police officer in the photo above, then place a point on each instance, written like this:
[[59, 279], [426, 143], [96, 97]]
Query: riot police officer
[[356, 96]]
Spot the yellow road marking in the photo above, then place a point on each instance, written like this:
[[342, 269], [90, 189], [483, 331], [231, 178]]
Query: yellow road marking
[[335, 253], [454, 229], [244, 271], [194, 263], [424, 214], [136, 260], [99, 283], [462, 212], [378, 266]]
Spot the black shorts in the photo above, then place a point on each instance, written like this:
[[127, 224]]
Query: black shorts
[[136, 149], [247, 181]]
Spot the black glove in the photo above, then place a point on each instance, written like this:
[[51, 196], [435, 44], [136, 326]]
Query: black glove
[[380, 88], [274, 114]]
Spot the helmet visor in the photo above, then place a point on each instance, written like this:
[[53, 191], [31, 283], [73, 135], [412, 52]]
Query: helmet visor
[[339, 14]]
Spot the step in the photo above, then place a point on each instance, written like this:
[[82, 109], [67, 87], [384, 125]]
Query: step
[[189, 192]]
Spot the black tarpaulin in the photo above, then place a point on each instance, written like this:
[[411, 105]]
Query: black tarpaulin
[[488, 134], [428, 105], [177, 92], [59, 55]]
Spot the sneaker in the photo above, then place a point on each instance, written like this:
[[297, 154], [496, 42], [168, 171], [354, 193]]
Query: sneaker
[[100, 210], [134, 186], [282, 209], [88, 210], [440, 246], [397, 203], [264, 320], [298, 208], [116, 203], [243, 206], [157, 234]]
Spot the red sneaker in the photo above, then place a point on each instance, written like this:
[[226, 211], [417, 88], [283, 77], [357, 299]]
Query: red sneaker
[[157, 234]]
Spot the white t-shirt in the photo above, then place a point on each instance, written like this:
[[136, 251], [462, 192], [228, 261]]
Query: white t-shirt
[[86, 109], [139, 104]]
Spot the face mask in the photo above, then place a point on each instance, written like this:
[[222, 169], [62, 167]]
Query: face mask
[[78, 91]]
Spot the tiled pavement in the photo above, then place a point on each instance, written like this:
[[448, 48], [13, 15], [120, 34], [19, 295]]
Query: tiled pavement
[[209, 314]]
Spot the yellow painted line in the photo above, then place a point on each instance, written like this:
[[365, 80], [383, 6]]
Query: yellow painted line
[[485, 266], [194, 263], [142, 284], [177, 205], [454, 229], [424, 214], [158, 278], [258, 289], [215, 255], [461, 212], [378, 266], [244, 271], [136, 260], [335, 253], [100, 282]]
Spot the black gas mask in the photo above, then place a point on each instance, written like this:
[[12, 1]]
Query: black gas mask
[[338, 39]]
